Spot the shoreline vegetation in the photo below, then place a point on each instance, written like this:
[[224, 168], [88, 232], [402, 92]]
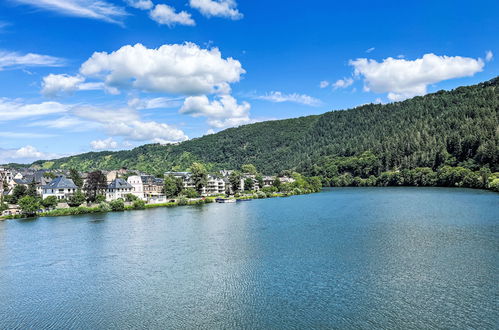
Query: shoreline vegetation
[[119, 205]]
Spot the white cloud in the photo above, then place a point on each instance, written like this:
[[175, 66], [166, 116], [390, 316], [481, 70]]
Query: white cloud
[[369, 50], [279, 97], [26, 154], [220, 113], [58, 84], [154, 103], [402, 78], [126, 122], [95, 9], [16, 60], [53, 84], [166, 15], [142, 131], [108, 143], [16, 109], [343, 83], [324, 84], [140, 4], [489, 56], [219, 8], [178, 69]]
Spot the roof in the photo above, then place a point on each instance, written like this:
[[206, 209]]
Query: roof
[[61, 182], [119, 184]]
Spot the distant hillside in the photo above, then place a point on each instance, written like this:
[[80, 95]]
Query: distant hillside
[[458, 127]]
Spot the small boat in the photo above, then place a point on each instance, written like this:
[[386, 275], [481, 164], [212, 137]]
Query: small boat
[[225, 200]]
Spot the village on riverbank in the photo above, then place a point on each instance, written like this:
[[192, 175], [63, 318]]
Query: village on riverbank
[[28, 192]]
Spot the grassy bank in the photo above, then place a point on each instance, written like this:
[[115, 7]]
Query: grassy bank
[[119, 205]]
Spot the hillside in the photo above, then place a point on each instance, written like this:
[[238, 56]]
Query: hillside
[[458, 127]]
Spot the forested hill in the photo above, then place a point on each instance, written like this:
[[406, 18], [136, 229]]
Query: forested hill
[[457, 128]]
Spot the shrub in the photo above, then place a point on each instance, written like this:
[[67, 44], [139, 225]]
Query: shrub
[[261, 194], [76, 199], [139, 204], [130, 197], [29, 205], [117, 205], [50, 201], [190, 193], [100, 198], [104, 207], [183, 200]]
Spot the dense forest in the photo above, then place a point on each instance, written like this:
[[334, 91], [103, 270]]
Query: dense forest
[[446, 129]]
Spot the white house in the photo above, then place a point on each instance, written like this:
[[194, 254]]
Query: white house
[[118, 188], [60, 187], [138, 186]]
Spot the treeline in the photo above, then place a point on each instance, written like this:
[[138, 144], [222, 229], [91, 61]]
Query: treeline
[[458, 128]]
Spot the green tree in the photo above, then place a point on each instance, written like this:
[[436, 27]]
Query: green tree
[[248, 184], [31, 191], [235, 180], [49, 201], [76, 177], [29, 205], [173, 186], [76, 199], [18, 193], [199, 176], [96, 184], [249, 169]]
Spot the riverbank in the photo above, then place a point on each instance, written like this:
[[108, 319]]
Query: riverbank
[[108, 207]]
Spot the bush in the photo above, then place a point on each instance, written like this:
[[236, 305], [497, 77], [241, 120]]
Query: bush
[[183, 200], [50, 201], [130, 197], [117, 205], [190, 193], [104, 207], [76, 199], [100, 198], [261, 194], [139, 204]]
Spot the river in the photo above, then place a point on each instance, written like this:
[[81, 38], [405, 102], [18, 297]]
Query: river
[[384, 258]]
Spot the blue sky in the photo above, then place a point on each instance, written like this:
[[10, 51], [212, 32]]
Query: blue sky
[[88, 75]]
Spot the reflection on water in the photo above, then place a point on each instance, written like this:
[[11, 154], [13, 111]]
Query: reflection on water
[[344, 258]]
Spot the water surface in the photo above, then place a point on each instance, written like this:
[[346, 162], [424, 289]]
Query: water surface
[[344, 258]]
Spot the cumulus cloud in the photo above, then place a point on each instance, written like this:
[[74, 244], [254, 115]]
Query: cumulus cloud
[[343, 83], [53, 84], [105, 144], [279, 97], [489, 56], [125, 122], [26, 154], [11, 109], [95, 9], [166, 15], [177, 69], [219, 8], [403, 79], [369, 50], [324, 84], [222, 112], [18, 60], [140, 4], [58, 84]]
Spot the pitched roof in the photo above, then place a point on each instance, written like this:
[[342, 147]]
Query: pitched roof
[[119, 184], [61, 183]]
